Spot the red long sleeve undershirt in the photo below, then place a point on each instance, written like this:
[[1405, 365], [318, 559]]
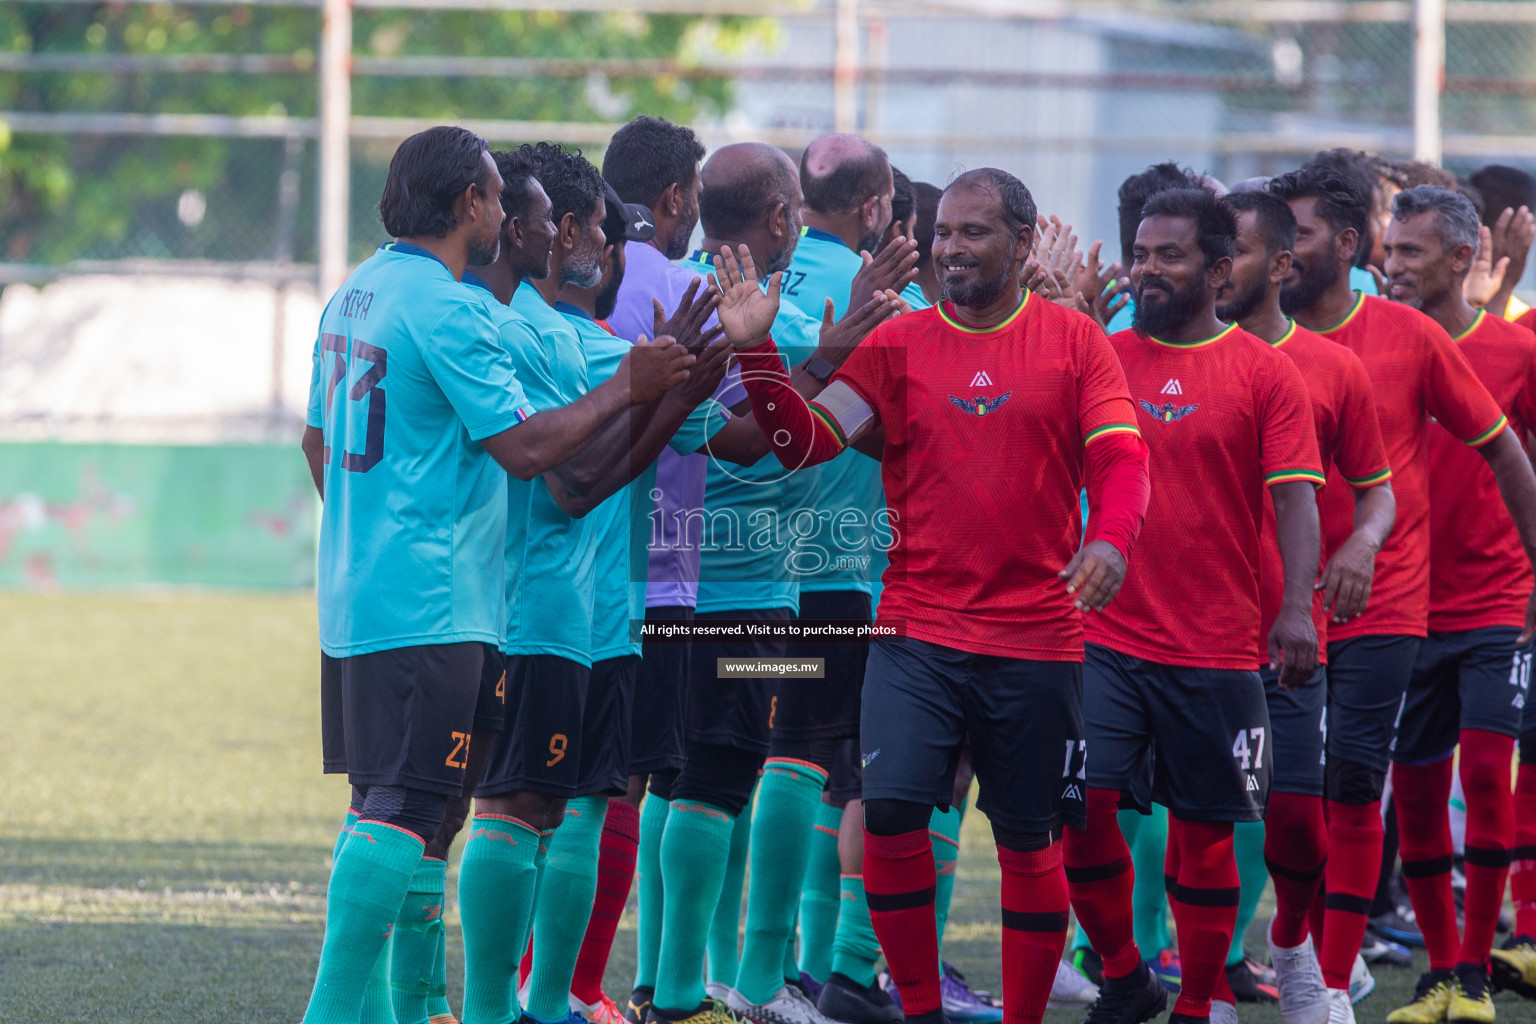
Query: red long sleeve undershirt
[[804, 434]]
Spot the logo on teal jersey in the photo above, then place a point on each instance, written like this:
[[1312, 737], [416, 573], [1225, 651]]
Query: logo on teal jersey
[[1168, 412], [981, 404]]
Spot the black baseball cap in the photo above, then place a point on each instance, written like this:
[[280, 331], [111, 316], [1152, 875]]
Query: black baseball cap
[[639, 225]]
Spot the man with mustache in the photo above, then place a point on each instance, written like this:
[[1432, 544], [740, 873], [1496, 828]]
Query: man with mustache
[[1463, 690], [1344, 420], [1226, 418], [1416, 372], [985, 412]]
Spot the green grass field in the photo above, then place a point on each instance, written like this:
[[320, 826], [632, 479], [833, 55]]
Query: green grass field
[[165, 830]]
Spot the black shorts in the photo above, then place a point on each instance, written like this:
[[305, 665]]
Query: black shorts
[[846, 782], [402, 717], [1195, 740], [541, 747], [827, 708], [1024, 720], [1298, 726], [1476, 679], [605, 726], [732, 712], [656, 718], [1367, 679]]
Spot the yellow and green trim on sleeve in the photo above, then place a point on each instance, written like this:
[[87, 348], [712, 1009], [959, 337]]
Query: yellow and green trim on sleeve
[[1370, 479], [1107, 429], [1489, 434], [1285, 476], [830, 422]]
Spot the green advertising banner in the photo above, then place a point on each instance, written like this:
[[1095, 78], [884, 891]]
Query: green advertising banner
[[105, 515]]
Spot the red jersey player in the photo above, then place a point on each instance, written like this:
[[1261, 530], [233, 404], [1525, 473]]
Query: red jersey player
[[1469, 683], [1344, 421], [1416, 372], [986, 412], [1226, 418]]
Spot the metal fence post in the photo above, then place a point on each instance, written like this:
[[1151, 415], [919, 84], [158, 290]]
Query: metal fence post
[[335, 126], [1428, 77]]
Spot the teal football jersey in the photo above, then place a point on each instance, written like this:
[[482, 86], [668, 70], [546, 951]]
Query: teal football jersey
[[748, 553], [549, 555], [408, 378], [850, 493]]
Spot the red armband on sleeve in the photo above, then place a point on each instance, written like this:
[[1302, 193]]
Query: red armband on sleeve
[[798, 433], [1119, 487]]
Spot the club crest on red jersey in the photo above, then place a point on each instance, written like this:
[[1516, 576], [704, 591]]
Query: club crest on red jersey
[[1168, 412], [981, 404]]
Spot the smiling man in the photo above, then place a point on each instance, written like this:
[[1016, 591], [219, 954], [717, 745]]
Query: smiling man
[[988, 604]]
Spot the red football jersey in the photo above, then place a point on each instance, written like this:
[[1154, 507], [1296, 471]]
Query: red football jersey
[[1224, 419], [1416, 372], [1527, 320], [1348, 436], [985, 433], [1478, 573]]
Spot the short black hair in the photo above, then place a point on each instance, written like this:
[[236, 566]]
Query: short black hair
[[1215, 224], [569, 179], [517, 169], [426, 176], [1272, 216], [848, 184], [1364, 170], [904, 199], [1018, 205], [728, 209], [1340, 200], [1503, 188], [1138, 188], [649, 154], [927, 211]]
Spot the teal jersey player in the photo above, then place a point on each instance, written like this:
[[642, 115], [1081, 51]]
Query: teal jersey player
[[745, 555], [549, 555], [850, 492], [408, 378]]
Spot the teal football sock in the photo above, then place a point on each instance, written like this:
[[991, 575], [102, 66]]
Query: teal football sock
[[565, 906], [820, 896], [368, 885], [649, 902], [1149, 897], [787, 797], [694, 851], [944, 830], [498, 877], [1248, 841], [855, 950], [418, 930], [723, 948]]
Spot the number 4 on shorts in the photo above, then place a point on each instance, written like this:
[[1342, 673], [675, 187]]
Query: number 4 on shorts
[[1240, 748]]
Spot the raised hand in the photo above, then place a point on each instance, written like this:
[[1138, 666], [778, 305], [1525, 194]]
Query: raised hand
[[653, 368], [686, 323], [706, 374], [839, 339], [892, 270], [1513, 234], [746, 310], [1485, 277]]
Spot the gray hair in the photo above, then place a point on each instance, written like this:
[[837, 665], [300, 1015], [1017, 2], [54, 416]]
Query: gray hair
[[1456, 218]]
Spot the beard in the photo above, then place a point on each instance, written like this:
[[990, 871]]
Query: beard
[[605, 301], [780, 261], [484, 251], [869, 243], [1313, 279], [1241, 305], [677, 245], [982, 292], [1159, 317], [583, 269]]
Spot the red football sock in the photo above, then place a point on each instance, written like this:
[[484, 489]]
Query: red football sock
[[1423, 794], [1100, 879], [1034, 929], [1204, 902], [1522, 868], [1354, 862], [1317, 914], [899, 883], [1295, 851], [1485, 760], [525, 965], [617, 850]]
